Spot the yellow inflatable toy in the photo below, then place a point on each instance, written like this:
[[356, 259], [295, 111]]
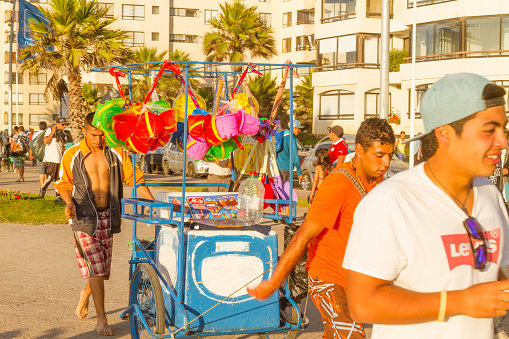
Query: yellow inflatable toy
[[240, 101], [240, 157], [180, 102]]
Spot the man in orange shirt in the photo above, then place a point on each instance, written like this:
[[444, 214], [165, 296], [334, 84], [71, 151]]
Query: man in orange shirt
[[327, 228]]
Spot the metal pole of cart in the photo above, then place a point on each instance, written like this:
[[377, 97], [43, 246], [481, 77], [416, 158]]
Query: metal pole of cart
[[180, 270], [292, 136]]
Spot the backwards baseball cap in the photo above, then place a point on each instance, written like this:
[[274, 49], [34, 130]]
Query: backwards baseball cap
[[338, 130], [452, 98], [61, 120], [297, 124]]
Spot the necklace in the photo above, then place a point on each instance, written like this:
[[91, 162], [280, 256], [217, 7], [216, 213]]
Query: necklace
[[463, 208], [358, 178]]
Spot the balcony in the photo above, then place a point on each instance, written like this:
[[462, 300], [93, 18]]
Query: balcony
[[338, 18], [460, 55], [346, 66]]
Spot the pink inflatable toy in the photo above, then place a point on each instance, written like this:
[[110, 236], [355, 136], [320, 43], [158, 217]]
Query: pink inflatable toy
[[248, 124], [196, 147], [227, 125]]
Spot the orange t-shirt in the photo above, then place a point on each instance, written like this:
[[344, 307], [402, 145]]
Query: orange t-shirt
[[333, 208]]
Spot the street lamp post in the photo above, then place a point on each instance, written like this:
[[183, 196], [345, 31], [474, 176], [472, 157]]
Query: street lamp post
[[384, 60], [9, 92]]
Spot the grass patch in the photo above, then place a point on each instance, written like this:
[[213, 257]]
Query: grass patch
[[33, 211]]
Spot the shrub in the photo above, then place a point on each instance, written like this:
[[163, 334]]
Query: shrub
[[396, 58]]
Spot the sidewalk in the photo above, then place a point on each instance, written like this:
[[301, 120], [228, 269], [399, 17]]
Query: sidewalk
[[40, 280]]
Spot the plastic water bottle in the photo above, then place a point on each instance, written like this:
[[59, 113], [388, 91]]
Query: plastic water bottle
[[250, 200]]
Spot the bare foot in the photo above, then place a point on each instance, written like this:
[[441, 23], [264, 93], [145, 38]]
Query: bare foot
[[103, 329], [82, 309]]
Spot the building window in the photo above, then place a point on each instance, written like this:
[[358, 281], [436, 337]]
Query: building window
[[338, 51], [14, 102], [337, 104], [336, 10], [305, 43], [374, 8], [410, 3], [305, 17], [19, 78], [155, 36], [371, 101], [266, 18], [135, 39], [38, 79], [133, 12], [303, 71], [8, 15], [483, 34], [191, 39], [419, 92], [37, 99], [189, 12], [210, 14], [39, 1], [20, 118], [8, 37], [287, 45], [155, 10], [108, 7], [35, 119], [442, 37], [6, 57], [287, 19]]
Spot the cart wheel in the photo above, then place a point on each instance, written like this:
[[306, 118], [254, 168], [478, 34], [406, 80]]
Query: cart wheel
[[284, 334], [146, 292]]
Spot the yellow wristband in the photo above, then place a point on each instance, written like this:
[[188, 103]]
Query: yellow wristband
[[443, 305]]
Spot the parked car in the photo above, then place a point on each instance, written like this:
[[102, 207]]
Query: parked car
[[308, 170], [172, 161], [151, 161]]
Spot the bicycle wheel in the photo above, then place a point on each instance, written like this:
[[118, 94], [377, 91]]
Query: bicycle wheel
[[284, 334], [146, 292]]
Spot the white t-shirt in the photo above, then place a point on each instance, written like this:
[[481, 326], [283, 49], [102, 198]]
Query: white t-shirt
[[53, 151], [409, 231]]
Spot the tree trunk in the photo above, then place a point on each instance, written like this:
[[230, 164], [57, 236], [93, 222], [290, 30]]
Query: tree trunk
[[75, 116]]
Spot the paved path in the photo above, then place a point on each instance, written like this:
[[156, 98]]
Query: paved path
[[40, 281]]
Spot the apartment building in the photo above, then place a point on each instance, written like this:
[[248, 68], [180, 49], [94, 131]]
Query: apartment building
[[452, 36], [167, 25]]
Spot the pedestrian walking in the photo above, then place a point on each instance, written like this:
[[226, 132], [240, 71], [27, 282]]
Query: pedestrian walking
[[326, 229], [426, 246], [220, 171], [54, 139], [91, 186], [20, 143], [322, 169], [400, 148], [339, 148], [41, 166], [283, 155]]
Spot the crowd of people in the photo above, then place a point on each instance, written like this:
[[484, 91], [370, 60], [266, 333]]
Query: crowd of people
[[419, 255]]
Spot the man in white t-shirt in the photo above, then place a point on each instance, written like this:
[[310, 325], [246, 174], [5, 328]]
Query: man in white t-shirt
[[220, 171], [426, 246], [54, 139]]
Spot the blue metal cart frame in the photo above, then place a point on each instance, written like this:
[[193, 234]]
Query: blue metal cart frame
[[141, 254]]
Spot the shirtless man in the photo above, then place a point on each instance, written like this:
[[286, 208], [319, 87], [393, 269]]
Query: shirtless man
[[91, 177]]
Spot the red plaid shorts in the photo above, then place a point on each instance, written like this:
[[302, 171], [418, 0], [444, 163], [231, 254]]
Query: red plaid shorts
[[94, 252]]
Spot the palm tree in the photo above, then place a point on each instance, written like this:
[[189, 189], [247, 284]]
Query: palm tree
[[265, 89], [75, 39], [168, 87], [91, 97], [238, 30], [303, 98]]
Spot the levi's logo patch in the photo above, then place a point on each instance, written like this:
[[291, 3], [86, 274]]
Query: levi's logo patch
[[457, 248]]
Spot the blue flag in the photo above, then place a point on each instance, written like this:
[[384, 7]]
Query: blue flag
[[27, 12]]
